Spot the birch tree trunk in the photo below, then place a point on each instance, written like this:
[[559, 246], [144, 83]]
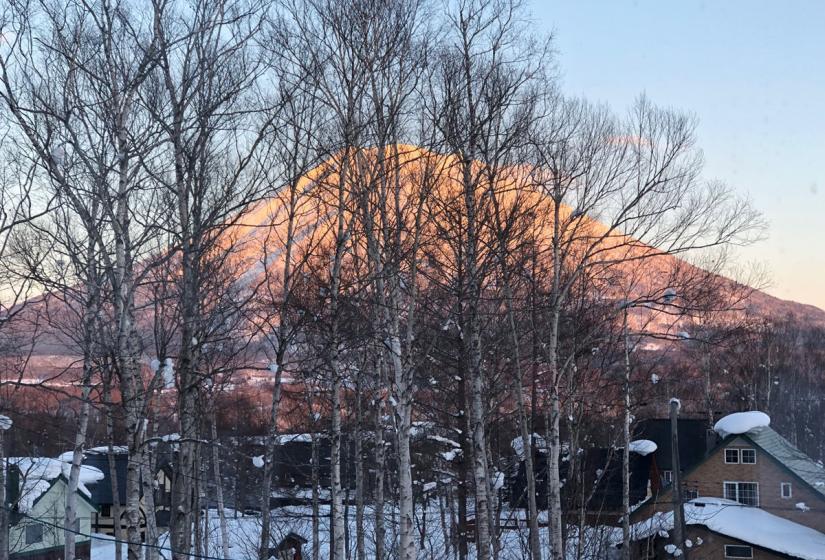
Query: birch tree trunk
[[4, 515], [90, 310], [216, 474], [360, 547], [338, 544], [113, 472], [554, 508], [147, 476], [380, 465], [70, 518]]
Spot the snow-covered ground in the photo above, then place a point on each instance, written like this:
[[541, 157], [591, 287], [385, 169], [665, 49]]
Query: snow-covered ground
[[433, 541]]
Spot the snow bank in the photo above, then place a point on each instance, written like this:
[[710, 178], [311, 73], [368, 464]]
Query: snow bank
[[741, 423], [258, 461], [642, 447]]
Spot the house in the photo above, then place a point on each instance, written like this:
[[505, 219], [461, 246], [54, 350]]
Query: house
[[596, 489], [755, 474], [102, 493], [37, 488], [722, 529], [695, 440]]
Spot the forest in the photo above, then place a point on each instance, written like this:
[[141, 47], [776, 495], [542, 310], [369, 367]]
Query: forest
[[378, 228]]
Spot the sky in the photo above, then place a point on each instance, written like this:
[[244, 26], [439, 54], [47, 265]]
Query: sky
[[753, 73]]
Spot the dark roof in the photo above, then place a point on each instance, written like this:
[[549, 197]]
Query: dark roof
[[598, 464], [608, 492], [693, 441], [788, 455], [102, 491]]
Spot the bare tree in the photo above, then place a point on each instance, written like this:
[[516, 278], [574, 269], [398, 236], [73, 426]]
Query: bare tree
[[205, 98], [620, 191], [290, 215], [71, 90], [19, 206], [483, 110]]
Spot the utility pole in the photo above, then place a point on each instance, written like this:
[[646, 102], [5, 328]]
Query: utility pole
[[626, 441], [5, 424], [678, 504]]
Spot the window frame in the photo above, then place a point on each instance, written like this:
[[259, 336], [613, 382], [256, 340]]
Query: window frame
[[667, 477], [742, 455], [31, 528], [737, 484], [782, 486], [691, 490], [734, 450], [738, 546]]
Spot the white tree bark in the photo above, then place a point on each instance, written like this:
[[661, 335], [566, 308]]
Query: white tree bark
[[216, 474]]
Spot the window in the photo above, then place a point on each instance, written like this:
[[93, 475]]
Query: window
[[745, 456], [106, 511], [691, 494], [34, 533], [738, 551], [786, 490], [746, 493], [667, 477]]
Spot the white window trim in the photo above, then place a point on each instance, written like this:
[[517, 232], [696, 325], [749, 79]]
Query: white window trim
[[737, 483], [739, 545], [782, 486], [741, 460], [738, 458]]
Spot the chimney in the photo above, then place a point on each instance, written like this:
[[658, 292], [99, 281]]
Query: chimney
[[711, 440]]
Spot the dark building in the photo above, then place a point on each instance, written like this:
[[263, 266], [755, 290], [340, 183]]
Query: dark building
[[695, 439], [598, 484]]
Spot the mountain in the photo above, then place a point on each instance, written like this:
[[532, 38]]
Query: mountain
[[429, 183]]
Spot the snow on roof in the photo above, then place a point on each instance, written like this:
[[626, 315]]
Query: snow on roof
[[296, 438], [518, 447], [642, 447], [745, 523], [104, 450], [795, 460], [37, 474], [741, 423], [445, 441]]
